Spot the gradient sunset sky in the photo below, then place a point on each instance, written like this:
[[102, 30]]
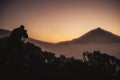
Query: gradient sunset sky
[[60, 20]]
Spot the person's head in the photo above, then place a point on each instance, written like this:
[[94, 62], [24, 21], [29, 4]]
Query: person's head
[[22, 27]]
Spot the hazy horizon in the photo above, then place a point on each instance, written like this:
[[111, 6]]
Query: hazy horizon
[[70, 39], [55, 21]]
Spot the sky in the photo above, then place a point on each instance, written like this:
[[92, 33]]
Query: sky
[[60, 20]]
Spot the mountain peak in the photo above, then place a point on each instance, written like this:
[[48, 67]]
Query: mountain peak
[[98, 29], [97, 35]]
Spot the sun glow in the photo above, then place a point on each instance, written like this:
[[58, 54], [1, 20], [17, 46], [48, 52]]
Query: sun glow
[[55, 21]]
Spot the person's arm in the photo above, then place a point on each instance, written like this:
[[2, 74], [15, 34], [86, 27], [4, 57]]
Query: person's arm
[[25, 34]]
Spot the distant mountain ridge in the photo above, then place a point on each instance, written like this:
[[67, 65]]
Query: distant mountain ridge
[[97, 35], [43, 44], [96, 39], [4, 33]]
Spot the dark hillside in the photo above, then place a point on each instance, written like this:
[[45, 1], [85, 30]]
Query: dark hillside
[[30, 59]]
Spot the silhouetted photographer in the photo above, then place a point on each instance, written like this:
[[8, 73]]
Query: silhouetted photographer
[[18, 34], [16, 44]]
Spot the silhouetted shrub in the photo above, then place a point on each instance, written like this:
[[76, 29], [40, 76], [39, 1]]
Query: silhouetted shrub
[[94, 65]]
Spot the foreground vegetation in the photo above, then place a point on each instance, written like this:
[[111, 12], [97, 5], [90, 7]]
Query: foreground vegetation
[[27, 61]]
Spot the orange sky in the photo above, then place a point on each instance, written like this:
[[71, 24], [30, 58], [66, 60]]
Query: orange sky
[[60, 20]]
